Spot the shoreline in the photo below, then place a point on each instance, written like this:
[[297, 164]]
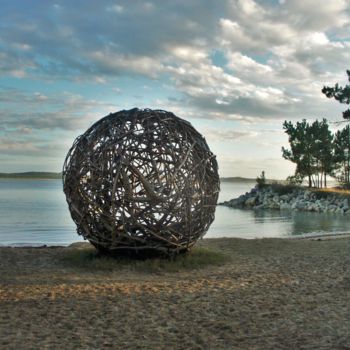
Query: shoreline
[[270, 293], [311, 236]]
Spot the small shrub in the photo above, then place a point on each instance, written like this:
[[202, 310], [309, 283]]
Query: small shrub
[[261, 180], [295, 180], [283, 189]]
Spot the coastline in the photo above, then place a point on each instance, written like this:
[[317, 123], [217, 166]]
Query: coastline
[[85, 244], [263, 297], [292, 198]]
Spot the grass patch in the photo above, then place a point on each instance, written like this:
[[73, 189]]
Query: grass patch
[[197, 258], [280, 188], [325, 192], [283, 189], [332, 190], [319, 192]]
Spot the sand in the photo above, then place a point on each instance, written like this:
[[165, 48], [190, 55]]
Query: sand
[[270, 294]]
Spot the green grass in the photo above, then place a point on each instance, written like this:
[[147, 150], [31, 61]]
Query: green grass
[[197, 258]]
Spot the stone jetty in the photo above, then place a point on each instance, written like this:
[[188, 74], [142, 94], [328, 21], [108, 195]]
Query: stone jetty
[[283, 197]]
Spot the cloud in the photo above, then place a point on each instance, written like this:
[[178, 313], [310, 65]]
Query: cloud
[[246, 66], [309, 15], [42, 127], [12, 147], [106, 62], [210, 88], [188, 53], [239, 61], [115, 8], [132, 38], [37, 111], [220, 135], [156, 38]]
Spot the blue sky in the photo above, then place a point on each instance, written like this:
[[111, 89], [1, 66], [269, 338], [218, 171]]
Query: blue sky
[[236, 69]]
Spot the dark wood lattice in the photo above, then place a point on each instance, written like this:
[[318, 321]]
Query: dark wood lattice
[[141, 179]]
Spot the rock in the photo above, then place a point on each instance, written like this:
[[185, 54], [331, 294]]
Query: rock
[[275, 198], [345, 204], [299, 205], [307, 194], [317, 209], [332, 208], [274, 205], [339, 211], [250, 202], [309, 207], [236, 203], [284, 198], [298, 199], [285, 206]]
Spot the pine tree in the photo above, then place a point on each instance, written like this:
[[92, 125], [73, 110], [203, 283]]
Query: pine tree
[[311, 149], [341, 146], [301, 145], [322, 151], [341, 94]]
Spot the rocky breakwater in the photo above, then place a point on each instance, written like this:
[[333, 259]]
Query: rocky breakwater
[[292, 198]]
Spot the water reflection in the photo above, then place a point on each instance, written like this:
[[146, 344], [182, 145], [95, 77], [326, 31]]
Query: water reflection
[[242, 223], [304, 223]]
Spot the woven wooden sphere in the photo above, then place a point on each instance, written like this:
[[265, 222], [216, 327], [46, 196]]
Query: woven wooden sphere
[[141, 180]]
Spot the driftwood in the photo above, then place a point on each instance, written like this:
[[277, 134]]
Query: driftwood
[[141, 180]]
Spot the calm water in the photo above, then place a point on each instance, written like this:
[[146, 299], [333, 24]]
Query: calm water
[[35, 212]]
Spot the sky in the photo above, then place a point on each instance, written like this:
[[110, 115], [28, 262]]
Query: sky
[[235, 69]]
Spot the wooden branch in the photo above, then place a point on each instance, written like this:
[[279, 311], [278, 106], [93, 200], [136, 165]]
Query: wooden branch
[[140, 180]]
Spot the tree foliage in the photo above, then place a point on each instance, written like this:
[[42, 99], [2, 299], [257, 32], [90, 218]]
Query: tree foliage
[[315, 150], [322, 151], [341, 94], [341, 147], [300, 147], [311, 149]]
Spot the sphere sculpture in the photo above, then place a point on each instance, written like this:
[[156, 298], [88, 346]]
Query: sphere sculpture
[[141, 180]]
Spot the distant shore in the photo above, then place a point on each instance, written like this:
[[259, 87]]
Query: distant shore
[[269, 294], [236, 179], [37, 175]]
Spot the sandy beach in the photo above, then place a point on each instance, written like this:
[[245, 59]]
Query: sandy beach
[[265, 294]]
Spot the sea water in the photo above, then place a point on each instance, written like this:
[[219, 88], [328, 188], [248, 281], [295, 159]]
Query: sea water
[[35, 212]]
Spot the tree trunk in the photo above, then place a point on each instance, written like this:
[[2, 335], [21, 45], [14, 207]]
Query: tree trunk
[[310, 183], [319, 180]]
